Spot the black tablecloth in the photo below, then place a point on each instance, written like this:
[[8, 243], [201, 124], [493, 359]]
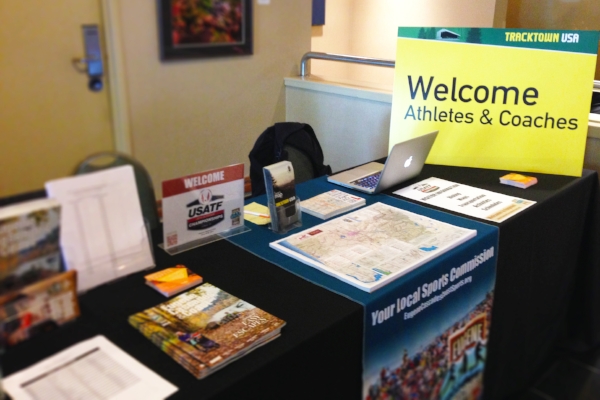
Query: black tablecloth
[[546, 297], [548, 274], [318, 355]]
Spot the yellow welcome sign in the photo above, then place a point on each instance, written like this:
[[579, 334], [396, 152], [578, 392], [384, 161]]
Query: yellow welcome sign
[[501, 98]]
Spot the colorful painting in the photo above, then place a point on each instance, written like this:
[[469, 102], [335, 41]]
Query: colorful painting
[[204, 28]]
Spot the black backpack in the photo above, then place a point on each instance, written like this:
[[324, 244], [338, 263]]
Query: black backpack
[[270, 147]]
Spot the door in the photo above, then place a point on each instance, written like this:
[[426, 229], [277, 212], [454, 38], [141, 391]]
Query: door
[[49, 119]]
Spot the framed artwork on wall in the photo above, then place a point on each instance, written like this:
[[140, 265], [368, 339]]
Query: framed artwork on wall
[[204, 28]]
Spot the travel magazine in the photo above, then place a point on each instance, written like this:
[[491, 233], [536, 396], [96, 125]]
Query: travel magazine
[[206, 328]]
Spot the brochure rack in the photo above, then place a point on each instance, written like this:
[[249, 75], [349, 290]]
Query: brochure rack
[[284, 205]]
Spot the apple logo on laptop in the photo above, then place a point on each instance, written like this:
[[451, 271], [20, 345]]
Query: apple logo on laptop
[[407, 162]]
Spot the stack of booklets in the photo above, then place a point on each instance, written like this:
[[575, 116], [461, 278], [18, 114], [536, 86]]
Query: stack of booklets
[[35, 294], [206, 328], [518, 180], [331, 203], [174, 280], [39, 307], [29, 245]]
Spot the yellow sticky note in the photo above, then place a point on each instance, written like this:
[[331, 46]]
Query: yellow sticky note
[[263, 214]]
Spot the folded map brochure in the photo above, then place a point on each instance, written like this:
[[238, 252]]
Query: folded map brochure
[[331, 203], [170, 281], [280, 187], [370, 247], [518, 180], [206, 328]]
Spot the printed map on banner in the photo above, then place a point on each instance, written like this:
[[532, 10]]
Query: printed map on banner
[[202, 205], [510, 99]]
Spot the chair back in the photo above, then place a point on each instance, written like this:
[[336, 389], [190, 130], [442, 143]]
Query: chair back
[[303, 168], [292, 141], [110, 159]]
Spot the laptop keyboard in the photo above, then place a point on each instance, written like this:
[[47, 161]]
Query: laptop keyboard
[[369, 181]]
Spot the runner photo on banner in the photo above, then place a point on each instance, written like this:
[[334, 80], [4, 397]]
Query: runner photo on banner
[[427, 338], [509, 99]]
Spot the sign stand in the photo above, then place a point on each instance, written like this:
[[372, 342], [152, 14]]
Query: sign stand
[[202, 208], [205, 240]]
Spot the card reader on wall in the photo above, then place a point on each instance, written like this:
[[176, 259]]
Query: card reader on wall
[[92, 63]]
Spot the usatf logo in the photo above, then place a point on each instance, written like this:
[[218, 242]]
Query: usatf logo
[[206, 211], [205, 196]]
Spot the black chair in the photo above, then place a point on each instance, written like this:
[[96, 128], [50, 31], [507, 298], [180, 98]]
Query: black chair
[[110, 159], [303, 168], [292, 141], [595, 106]]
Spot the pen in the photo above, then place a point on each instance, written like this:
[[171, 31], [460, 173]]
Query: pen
[[257, 214]]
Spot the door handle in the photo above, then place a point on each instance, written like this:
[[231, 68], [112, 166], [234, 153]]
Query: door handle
[[92, 64]]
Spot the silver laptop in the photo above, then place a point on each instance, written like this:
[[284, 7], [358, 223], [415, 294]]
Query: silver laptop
[[405, 161]]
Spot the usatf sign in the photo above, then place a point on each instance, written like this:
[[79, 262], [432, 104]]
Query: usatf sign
[[203, 204]]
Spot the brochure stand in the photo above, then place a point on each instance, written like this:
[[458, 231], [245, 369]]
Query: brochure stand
[[281, 222], [111, 264], [284, 205]]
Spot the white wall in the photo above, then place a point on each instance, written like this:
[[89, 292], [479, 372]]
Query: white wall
[[333, 37], [352, 123], [353, 129], [192, 115], [368, 28], [555, 14], [349, 105]]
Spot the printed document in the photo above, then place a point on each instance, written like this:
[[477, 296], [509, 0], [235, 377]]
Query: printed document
[[102, 230], [92, 369], [465, 199]]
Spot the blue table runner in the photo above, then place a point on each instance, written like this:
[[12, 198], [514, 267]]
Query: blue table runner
[[427, 322]]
